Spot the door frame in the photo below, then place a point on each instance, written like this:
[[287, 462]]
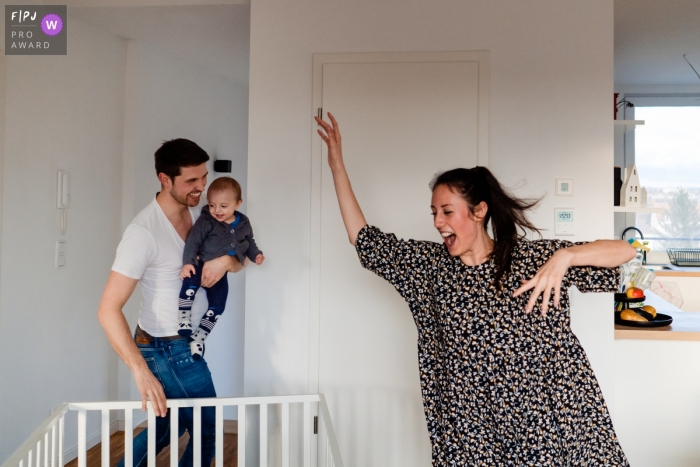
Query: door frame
[[481, 57]]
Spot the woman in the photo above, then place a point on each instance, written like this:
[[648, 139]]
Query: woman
[[501, 386]]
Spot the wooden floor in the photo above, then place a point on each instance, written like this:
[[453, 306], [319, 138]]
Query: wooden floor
[[116, 451]]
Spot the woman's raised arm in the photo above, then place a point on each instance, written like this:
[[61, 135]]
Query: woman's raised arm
[[353, 218]]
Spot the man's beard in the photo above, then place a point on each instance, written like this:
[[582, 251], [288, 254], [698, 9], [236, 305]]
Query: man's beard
[[184, 200]]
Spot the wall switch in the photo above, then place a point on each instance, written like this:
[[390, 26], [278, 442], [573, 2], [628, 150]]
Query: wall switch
[[564, 187], [563, 221], [62, 221], [62, 189], [60, 254]]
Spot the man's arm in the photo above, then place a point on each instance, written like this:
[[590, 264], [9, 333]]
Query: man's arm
[[215, 269], [117, 292]]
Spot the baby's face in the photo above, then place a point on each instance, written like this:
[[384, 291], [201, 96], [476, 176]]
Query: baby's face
[[222, 205]]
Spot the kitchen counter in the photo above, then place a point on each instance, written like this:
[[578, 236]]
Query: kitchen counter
[[669, 270], [685, 326], [680, 272]]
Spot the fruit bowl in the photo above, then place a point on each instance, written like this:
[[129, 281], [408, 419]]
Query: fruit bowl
[[659, 321], [623, 298]]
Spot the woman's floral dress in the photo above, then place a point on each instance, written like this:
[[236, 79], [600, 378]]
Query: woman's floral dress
[[500, 387]]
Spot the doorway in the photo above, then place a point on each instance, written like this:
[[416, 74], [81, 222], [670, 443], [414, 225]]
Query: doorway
[[404, 118]]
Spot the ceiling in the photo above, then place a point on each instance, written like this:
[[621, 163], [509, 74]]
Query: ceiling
[[651, 37], [214, 37]]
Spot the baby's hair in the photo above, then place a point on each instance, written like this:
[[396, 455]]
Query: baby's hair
[[226, 183]]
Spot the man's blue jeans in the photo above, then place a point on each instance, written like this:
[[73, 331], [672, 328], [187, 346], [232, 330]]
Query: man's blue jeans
[[182, 377]]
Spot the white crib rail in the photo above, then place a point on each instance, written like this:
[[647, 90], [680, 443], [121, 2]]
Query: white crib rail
[[327, 455], [49, 436]]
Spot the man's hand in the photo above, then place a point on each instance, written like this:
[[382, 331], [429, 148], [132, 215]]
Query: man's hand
[[259, 259], [117, 291], [150, 389], [214, 270], [187, 271]]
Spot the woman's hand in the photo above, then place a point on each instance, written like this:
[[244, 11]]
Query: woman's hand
[[547, 281], [331, 136], [259, 259], [350, 210]]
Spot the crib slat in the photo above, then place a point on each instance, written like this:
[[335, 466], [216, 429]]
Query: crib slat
[[263, 435], [307, 434], [285, 434], [53, 446], [219, 436], [241, 435], [128, 438], [174, 432], [46, 449], [82, 442], [197, 428], [60, 441], [105, 438], [151, 436]]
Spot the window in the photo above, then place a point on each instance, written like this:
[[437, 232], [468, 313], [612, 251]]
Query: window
[[667, 156]]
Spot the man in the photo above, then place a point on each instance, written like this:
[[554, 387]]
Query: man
[[150, 253]]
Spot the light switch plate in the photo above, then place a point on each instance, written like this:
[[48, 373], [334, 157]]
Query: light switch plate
[[565, 187], [563, 221], [60, 254]]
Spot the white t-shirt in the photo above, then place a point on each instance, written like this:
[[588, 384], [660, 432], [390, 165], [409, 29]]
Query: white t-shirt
[[151, 251]]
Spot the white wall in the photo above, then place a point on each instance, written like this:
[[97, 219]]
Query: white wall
[[168, 98], [62, 112], [656, 394], [100, 112], [551, 81]]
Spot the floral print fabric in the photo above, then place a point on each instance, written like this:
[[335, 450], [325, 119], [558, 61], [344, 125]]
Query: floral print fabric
[[500, 387]]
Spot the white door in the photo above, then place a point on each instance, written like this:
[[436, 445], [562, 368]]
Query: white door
[[402, 122]]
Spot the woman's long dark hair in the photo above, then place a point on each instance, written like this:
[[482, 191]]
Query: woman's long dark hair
[[506, 212]]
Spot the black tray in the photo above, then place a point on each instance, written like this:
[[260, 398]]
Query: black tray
[[622, 297], [660, 321]]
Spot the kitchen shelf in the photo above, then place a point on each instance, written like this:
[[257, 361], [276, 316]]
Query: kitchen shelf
[[637, 210], [629, 123]]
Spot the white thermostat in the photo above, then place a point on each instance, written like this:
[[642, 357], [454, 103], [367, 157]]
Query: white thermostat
[[563, 221]]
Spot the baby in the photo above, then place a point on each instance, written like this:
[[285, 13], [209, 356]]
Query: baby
[[220, 230]]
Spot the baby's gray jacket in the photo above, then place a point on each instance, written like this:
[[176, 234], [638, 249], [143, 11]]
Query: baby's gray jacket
[[210, 239]]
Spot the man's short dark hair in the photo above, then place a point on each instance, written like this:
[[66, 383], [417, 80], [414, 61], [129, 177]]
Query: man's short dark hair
[[172, 155]]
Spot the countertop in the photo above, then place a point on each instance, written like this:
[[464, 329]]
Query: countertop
[[669, 270], [685, 326]]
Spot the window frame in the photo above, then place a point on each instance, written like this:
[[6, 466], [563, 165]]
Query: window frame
[[627, 155]]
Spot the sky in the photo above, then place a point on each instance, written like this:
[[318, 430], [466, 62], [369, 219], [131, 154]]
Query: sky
[[667, 146]]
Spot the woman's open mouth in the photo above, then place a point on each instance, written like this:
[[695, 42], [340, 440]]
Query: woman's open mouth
[[449, 238]]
